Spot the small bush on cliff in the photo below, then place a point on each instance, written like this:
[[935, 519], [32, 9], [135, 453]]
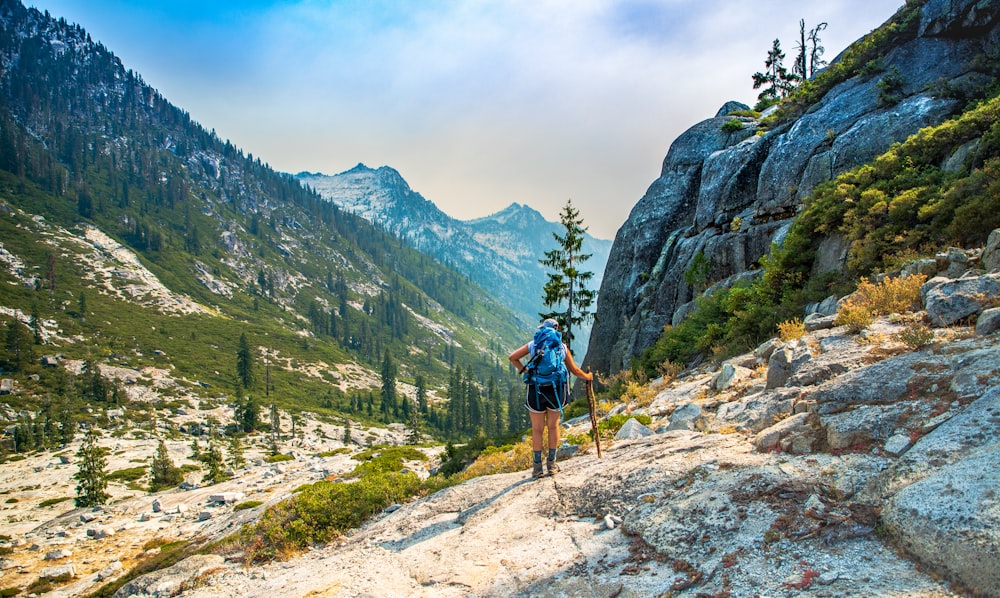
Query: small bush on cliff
[[732, 125]]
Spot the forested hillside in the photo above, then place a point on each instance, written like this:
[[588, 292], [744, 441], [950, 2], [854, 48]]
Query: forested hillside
[[132, 238]]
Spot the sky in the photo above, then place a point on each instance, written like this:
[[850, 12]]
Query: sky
[[477, 103]]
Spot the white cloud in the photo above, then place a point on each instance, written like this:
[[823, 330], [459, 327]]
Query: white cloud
[[477, 104]]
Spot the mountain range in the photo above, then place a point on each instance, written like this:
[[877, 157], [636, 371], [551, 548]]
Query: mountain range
[[499, 252], [134, 237]]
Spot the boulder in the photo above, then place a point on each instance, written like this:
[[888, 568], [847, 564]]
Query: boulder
[[897, 444], [113, 569], [100, 532], [770, 439], [731, 374], [816, 321], [860, 428], [884, 382], [949, 302], [684, 417], [948, 518], [988, 321], [227, 498], [991, 253], [60, 553], [784, 362], [57, 571], [764, 350], [756, 412], [928, 267], [633, 429], [168, 582]]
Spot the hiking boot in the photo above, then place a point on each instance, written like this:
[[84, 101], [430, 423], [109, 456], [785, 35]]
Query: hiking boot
[[552, 467], [537, 472]]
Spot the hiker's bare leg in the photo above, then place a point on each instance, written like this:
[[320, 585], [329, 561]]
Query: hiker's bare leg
[[537, 425], [553, 425]]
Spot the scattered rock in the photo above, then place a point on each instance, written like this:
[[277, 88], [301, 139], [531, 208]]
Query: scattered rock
[[100, 532], [814, 322], [113, 569], [951, 301], [168, 582], [731, 374], [860, 427], [55, 555], [633, 429], [991, 253], [897, 444], [227, 498], [988, 321], [770, 438], [684, 417], [57, 571]]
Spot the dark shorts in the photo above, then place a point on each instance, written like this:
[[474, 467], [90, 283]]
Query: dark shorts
[[546, 397]]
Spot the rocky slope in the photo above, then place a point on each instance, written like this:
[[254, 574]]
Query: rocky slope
[[835, 464], [725, 196], [500, 252]]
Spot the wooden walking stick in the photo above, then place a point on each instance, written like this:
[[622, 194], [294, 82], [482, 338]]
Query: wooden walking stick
[[592, 404]]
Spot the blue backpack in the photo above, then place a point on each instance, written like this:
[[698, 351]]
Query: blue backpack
[[546, 365]]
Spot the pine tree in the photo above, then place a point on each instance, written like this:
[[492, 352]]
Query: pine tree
[[567, 285], [347, 432], [93, 474], [421, 394], [388, 376], [214, 460], [236, 458], [19, 345], [162, 471], [776, 80], [275, 428], [244, 362]]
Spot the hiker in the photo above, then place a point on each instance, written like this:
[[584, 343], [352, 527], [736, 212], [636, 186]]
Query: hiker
[[547, 387]]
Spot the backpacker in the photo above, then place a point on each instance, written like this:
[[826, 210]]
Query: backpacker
[[546, 365]]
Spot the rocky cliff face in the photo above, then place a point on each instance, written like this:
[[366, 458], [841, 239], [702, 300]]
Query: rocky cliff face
[[724, 197]]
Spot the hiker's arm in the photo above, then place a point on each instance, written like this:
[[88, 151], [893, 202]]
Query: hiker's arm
[[575, 370], [515, 357]]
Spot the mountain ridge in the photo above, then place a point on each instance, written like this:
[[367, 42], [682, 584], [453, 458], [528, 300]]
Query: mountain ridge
[[499, 251]]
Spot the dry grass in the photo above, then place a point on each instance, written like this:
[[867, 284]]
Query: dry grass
[[870, 300], [791, 330]]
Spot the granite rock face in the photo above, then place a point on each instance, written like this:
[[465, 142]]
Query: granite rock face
[[723, 198]]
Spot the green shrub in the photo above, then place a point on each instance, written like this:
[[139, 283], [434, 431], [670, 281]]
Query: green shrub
[[54, 501], [130, 474], [279, 458], [322, 512], [341, 451], [915, 336], [10, 592], [732, 125], [248, 504]]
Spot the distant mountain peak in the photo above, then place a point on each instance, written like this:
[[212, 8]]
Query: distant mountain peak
[[500, 252]]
